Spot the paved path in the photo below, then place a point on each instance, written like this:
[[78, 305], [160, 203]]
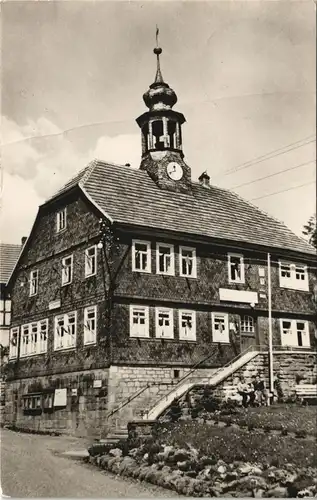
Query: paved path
[[31, 466]]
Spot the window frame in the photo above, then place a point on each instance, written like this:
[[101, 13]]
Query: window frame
[[22, 344], [132, 333], [225, 316], [13, 353], [294, 332], [40, 333], [66, 334], [5, 312], [71, 267], [59, 218], [242, 267], [87, 310], [292, 282], [94, 258], [246, 331], [194, 258], [148, 254], [165, 310], [34, 282], [171, 272], [192, 337]]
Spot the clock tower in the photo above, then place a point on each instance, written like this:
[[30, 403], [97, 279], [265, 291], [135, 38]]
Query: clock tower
[[161, 129]]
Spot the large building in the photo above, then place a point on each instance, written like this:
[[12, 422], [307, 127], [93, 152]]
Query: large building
[[132, 277]]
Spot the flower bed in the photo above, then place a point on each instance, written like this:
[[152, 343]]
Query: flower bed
[[229, 444], [200, 460]]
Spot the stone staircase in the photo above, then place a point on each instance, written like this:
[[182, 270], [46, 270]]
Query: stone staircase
[[214, 378], [152, 400]]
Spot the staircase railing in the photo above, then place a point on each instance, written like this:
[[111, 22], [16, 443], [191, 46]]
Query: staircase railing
[[194, 368]]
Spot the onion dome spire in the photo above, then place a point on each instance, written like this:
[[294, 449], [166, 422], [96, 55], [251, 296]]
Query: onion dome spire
[[159, 95]]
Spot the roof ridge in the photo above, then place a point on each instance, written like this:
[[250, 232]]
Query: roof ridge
[[88, 171]]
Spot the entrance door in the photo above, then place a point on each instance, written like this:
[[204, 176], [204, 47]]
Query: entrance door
[[248, 335]]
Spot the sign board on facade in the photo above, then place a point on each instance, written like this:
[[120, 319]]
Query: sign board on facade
[[60, 397], [55, 304], [238, 296], [97, 383], [74, 392]]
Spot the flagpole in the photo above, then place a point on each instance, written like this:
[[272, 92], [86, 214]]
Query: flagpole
[[270, 323]]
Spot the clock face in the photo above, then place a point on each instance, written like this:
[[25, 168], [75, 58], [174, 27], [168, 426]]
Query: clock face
[[174, 171]]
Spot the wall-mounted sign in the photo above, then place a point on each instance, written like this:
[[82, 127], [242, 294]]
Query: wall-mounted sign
[[74, 392], [262, 295], [97, 383], [55, 304], [238, 296], [60, 397]]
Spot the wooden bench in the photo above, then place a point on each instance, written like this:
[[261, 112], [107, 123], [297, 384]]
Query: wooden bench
[[306, 391]]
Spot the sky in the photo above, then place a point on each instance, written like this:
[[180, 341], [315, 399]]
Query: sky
[[73, 76]]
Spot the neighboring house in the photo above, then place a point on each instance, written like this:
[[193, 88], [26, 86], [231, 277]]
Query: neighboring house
[[178, 274], [9, 255]]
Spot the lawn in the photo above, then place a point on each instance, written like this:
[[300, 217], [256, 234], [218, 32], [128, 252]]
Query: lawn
[[290, 417], [230, 444]]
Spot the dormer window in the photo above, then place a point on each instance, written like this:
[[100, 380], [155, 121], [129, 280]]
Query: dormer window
[[61, 220], [294, 276], [235, 268]]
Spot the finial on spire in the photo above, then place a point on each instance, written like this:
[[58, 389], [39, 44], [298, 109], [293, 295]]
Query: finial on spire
[[158, 51]]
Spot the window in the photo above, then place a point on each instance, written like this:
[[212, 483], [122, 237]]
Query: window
[[5, 312], [13, 348], [187, 325], [25, 340], [294, 333], [90, 325], [34, 278], [139, 321], [32, 404], [294, 276], [91, 261], [220, 328], [164, 323], [43, 326], [247, 324], [187, 264], [65, 331], [33, 338], [165, 259], [48, 400], [61, 220], [141, 256], [235, 268], [67, 270]]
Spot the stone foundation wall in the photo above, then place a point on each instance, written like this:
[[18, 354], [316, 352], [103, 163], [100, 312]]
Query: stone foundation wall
[[83, 415]]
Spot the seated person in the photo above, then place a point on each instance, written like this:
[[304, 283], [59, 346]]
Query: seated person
[[243, 390]]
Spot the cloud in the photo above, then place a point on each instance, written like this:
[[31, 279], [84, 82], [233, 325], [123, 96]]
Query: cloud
[[38, 159]]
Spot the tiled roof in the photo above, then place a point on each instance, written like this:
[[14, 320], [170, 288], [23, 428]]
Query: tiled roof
[[8, 257], [130, 196]]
